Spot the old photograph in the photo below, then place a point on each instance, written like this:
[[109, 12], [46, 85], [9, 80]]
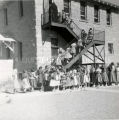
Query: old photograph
[[59, 59]]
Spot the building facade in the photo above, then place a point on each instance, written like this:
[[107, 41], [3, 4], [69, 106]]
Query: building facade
[[38, 37]]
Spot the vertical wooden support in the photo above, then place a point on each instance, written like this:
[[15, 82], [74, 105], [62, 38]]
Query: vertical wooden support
[[94, 56]]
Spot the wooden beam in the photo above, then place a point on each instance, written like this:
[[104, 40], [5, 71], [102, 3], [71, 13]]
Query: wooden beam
[[95, 56], [8, 46], [88, 57], [99, 52]]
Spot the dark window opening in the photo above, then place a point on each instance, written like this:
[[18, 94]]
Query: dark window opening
[[21, 10], [110, 48], [19, 50], [83, 10], [5, 16], [8, 53], [96, 14], [108, 17]]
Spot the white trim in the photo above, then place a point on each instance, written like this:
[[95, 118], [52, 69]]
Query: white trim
[[2, 38]]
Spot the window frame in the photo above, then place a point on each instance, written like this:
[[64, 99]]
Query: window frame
[[21, 8], [98, 14], [67, 5], [108, 12], [8, 53], [111, 48], [5, 16], [20, 51], [84, 4]]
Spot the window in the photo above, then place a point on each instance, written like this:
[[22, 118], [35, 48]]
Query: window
[[96, 14], [5, 16], [83, 10], [19, 51], [8, 53], [21, 11], [110, 48], [66, 6], [109, 22], [54, 47]]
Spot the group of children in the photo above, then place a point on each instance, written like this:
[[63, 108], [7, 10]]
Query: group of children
[[55, 78]]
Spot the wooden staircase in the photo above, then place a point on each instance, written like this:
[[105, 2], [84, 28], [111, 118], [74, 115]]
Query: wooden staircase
[[71, 30], [75, 59], [71, 33]]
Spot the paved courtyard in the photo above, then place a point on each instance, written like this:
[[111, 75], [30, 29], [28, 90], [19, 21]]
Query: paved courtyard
[[89, 104]]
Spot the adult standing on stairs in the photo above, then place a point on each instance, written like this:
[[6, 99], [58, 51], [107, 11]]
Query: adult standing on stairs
[[79, 46], [60, 57], [67, 56], [84, 37], [73, 50], [90, 35]]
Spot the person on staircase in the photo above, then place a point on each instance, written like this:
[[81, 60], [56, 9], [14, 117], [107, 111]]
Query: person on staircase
[[90, 35], [67, 56], [60, 57], [83, 38], [73, 50], [63, 16], [79, 47]]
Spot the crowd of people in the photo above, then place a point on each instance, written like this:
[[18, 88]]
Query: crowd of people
[[55, 78]]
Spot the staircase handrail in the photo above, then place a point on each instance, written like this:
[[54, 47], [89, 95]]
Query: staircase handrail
[[73, 26]]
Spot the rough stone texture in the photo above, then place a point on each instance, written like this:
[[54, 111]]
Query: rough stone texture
[[111, 32], [22, 29], [28, 30]]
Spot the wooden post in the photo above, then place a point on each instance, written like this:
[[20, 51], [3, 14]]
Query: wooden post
[[94, 56]]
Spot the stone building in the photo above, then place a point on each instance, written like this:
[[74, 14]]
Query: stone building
[[38, 33]]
